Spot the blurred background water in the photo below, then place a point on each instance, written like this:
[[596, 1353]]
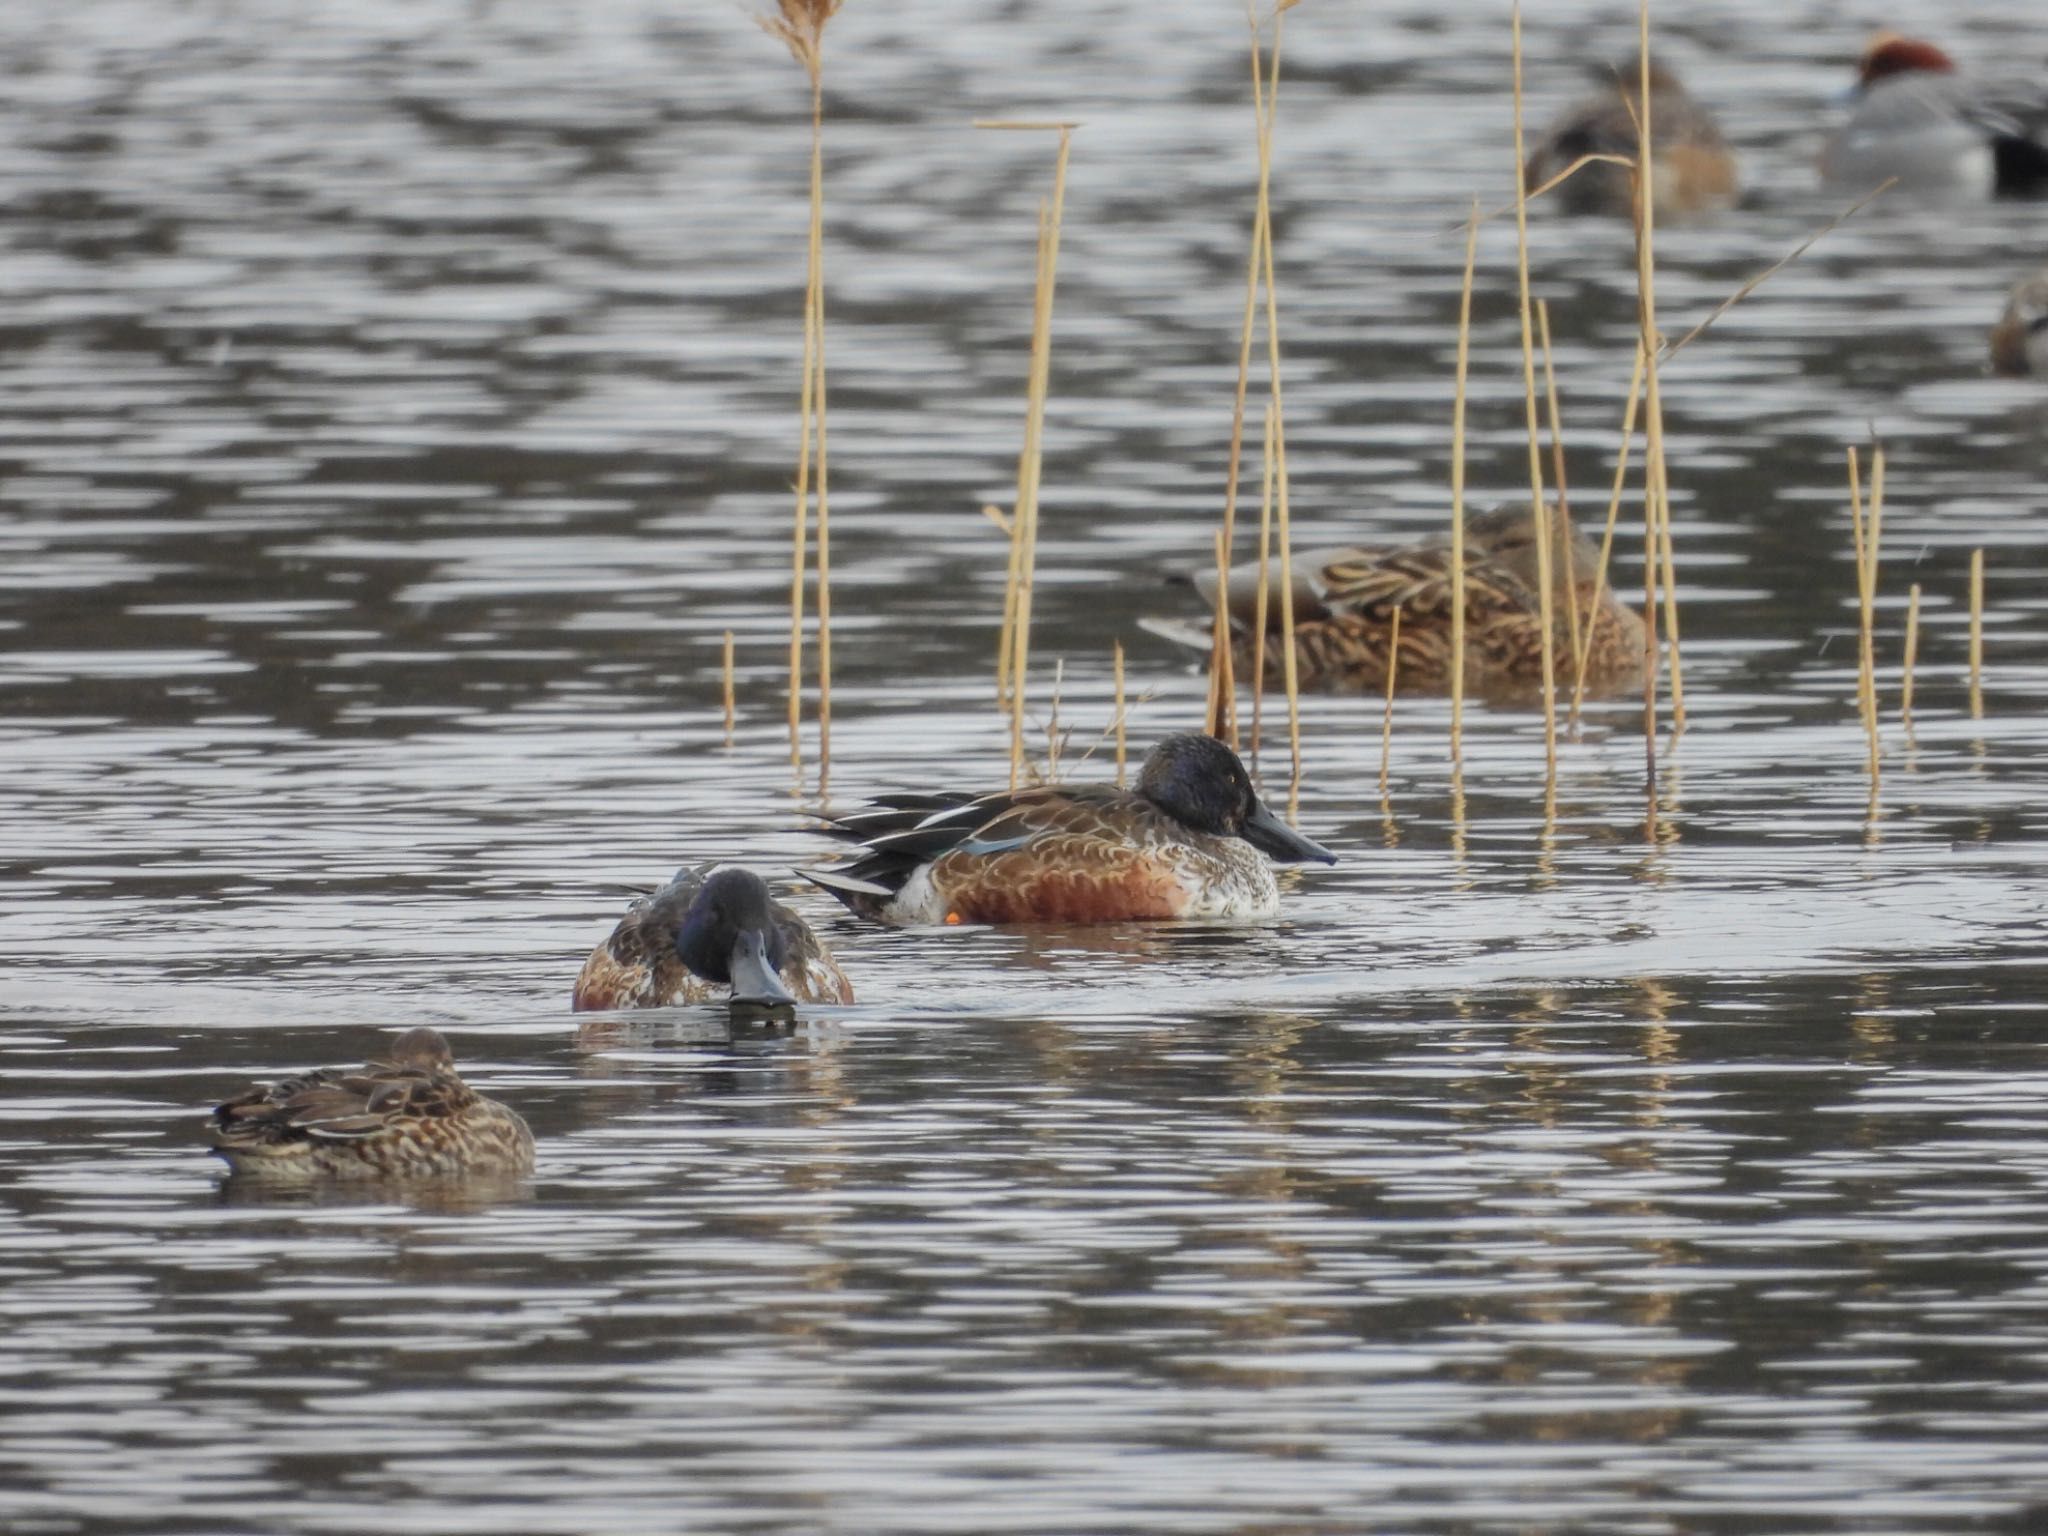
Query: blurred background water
[[397, 403]]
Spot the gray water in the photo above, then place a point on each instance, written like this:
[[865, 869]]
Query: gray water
[[397, 404]]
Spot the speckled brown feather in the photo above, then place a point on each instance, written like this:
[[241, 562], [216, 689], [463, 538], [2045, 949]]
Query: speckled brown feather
[[1692, 167], [410, 1116], [1344, 643], [638, 967]]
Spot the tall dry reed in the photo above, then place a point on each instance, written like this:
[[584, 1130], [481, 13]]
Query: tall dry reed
[[1013, 651], [1458, 491], [1538, 510], [800, 25]]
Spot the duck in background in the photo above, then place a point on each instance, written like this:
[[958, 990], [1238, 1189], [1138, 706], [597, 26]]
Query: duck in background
[[1191, 840], [1345, 599], [1692, 169], [712, 928], [1943, 137], [2019, 342], [407, 1115]]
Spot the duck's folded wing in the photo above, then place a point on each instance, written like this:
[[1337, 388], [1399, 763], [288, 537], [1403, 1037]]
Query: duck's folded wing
[[1244, 587], [981, 825], [1418, 582], [2015, 118]]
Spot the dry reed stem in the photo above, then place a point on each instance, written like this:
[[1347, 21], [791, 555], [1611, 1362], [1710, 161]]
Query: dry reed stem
[[1653, 444], [1279, 416], [1024, 520], [1561, 178], [729, 699], [1571, 575], [1458, 492], [1053, 735], [1670, 567], [1261, 232], [1674, 348], [1387, 719], [1262, 598], [1976, 634], [804, 44], [1222, 717], [1537, 508], [1628, 429], [1287, 612], [1912, 656], [824, 565], [1117, 719], [1861, 529], [1873, 544]]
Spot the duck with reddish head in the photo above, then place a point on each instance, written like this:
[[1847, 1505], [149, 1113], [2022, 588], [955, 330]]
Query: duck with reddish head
[[1192, 839], [1940, 135]]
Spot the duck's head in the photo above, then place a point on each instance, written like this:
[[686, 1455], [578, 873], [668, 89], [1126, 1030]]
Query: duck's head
[[423, 1050], [730, 935], [1508, 534], [1199, 782], [1889, 54]]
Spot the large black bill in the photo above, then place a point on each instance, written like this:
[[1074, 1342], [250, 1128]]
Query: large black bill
[[1280, 842]]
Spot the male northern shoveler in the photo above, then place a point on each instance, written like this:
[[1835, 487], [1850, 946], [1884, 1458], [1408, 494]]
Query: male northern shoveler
[[1943, 137], [406, 1116], [1344, 603], [1692, 169], [710, 928], [1190, 841], [2019, 342]]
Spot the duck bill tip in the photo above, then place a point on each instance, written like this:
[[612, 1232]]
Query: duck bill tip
[[754, 982], [1281, 843]]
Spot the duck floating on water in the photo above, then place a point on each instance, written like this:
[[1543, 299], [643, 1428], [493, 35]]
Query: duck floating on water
[[1191, 840], [1692, 169], [1943, 137], [1345, 600], [408, 1115], [712, 929], [2019, 342]]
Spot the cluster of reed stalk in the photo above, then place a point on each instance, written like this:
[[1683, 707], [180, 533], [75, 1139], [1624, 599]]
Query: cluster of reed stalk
[[800, 25], [1013, 646], [1221, 713], [1866, 524]]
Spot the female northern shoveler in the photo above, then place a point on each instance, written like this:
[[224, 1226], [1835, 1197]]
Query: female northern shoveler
[[406, 1116], [2019, 342], [1190, 841], [708, 929], [1942, 137], [1692, 170], [1344, 602]]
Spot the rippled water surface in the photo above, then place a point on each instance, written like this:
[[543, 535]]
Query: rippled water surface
[[397, 404]]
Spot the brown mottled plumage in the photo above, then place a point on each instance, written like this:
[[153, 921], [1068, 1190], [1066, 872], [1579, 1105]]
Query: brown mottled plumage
[[1692, 170], [2019, 342], [1192, 840], [1344, 602], [642, 965], [406, 1116]]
